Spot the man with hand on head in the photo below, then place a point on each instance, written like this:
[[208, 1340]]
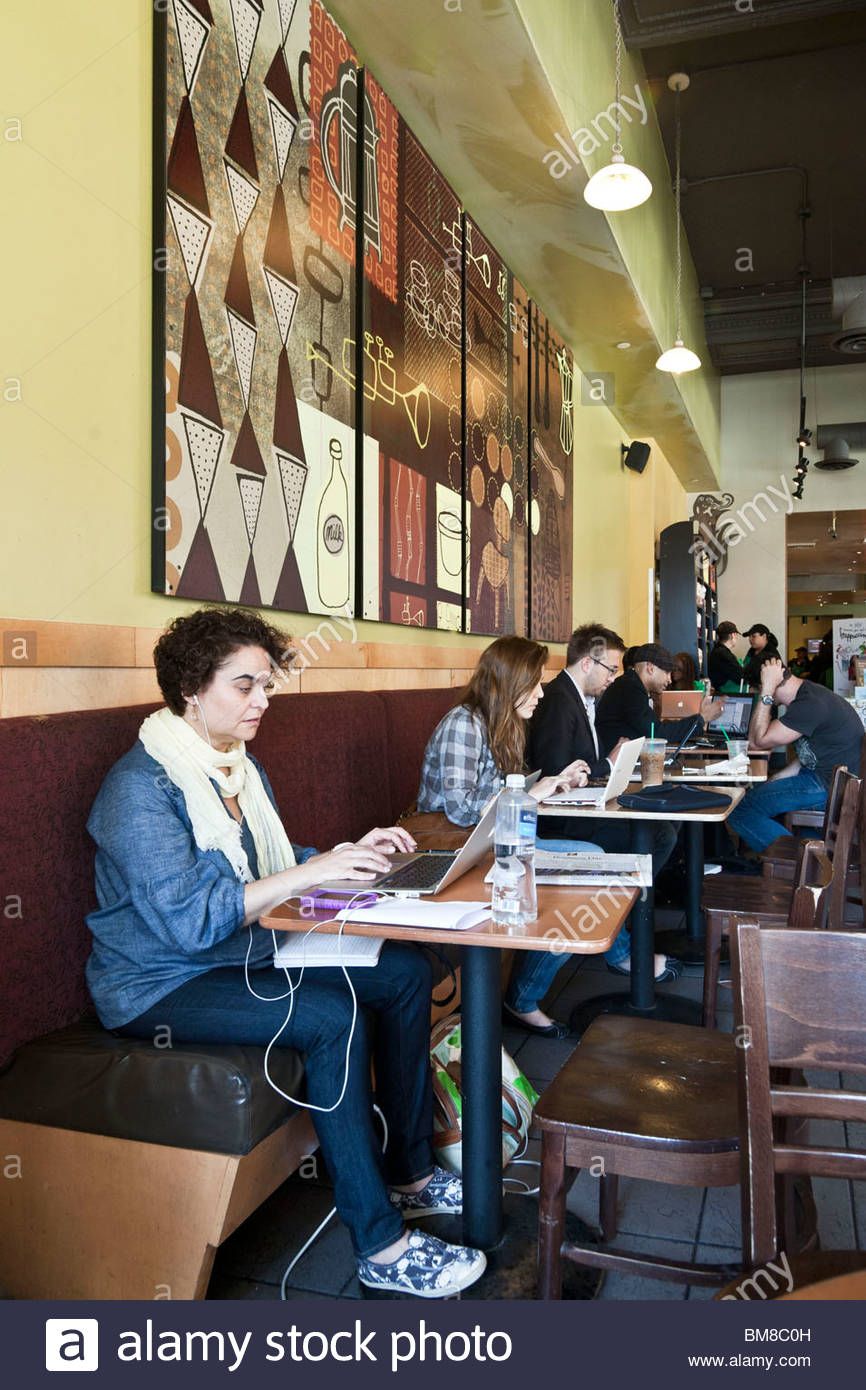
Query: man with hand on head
[[564, 725], [827, 733], [626, 709]]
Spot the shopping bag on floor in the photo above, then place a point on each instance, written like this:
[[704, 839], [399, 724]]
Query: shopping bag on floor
[[518, 1098]]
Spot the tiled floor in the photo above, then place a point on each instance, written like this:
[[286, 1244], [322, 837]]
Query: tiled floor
[[698, 1224]]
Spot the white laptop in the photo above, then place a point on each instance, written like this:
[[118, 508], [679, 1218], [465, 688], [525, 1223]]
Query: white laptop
[[430, 870], [623, 767]]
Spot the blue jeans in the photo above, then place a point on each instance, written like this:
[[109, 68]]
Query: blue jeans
[[218, 1008], [533, 972], [754, 818]]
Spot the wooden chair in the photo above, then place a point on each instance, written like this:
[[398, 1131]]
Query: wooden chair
[[800, 1001], [645, 1099], [729, 898]]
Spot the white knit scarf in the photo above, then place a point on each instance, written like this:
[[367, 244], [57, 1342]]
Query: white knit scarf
[[193, 766]]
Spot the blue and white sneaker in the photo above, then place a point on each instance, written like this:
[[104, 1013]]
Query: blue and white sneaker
[[443, 1194], [428, 1268]]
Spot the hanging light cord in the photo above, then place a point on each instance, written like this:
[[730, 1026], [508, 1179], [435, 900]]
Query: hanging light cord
[[679, 247], [616, 148]]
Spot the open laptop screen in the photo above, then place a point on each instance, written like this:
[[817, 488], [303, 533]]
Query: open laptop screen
[[734, 718]]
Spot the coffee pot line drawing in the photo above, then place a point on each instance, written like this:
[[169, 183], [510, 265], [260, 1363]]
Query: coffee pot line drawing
[[342, 104]]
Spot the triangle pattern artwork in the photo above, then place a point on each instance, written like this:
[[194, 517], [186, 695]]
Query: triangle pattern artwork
[[200, 573], [250, 594], [239, 145], [185, 174], [282, 108], [244, 340], [283, 127], [251, 496], [193, 235], [284, 299], [247, 455], [293, 476], [246, 18], [244, 195], [205, 443], [193, 32], [287, 10], [196, 387]]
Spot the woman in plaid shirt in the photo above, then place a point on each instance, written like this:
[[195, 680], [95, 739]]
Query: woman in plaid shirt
[[471, 750]]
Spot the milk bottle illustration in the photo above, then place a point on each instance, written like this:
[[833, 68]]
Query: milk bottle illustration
[[333, 535]]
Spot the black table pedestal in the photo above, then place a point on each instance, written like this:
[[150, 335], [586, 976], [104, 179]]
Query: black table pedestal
[[689, 946], [642, 1001]]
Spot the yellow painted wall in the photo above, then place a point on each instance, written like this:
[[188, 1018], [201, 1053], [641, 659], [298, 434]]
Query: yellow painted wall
[[75, 246]]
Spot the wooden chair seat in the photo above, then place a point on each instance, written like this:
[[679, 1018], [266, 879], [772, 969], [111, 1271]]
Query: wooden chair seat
[[644, 1099], [742, 893]]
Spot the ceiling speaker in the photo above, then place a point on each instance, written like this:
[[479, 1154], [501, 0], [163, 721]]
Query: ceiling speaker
[[636, 456]]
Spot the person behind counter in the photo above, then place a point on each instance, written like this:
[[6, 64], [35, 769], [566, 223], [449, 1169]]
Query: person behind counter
[[763, 647], [723, 668]]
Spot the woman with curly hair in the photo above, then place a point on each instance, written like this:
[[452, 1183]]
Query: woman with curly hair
[[191, 851], [471, 750]]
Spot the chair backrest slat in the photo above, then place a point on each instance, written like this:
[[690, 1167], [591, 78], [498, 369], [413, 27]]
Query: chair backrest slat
[[800, 1002]]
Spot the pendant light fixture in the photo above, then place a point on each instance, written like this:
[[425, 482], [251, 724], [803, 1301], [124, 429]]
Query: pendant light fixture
[[618, 186], [679, 358]]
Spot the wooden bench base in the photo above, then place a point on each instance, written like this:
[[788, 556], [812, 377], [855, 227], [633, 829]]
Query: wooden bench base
[[97, 1218]]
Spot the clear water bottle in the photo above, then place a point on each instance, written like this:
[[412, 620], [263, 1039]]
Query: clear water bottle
[[513, 899]]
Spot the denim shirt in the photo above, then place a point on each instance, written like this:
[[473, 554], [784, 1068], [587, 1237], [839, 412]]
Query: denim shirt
[[168, 911]]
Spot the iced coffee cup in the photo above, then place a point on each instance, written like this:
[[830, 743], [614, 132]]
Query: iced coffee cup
[[652, 762]]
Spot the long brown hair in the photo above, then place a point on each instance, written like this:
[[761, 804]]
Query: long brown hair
[[508, 670]]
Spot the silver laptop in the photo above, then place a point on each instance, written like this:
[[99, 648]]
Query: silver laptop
[[623, 767], [430, 870]]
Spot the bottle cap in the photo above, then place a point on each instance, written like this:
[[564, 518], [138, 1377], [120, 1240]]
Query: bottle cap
[[515, 779]]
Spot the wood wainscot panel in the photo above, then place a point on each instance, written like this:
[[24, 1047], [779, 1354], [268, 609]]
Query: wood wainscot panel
[[328, 680], [27, 643], [58, 689]]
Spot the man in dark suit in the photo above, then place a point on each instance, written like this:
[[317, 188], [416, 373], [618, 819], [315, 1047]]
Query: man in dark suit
[[626, 711], [563, 728]]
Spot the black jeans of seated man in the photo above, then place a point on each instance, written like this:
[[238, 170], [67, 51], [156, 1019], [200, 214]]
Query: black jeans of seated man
[[393, 997], [533, 972]]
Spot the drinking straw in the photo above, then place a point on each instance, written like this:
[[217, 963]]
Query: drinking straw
[[652, 730], [725, 736]]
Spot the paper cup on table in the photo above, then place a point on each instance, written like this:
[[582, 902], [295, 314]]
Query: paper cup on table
[[652, 762]]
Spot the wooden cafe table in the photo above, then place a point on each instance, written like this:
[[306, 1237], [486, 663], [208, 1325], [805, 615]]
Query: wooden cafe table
[[481, 950], [642, 998]]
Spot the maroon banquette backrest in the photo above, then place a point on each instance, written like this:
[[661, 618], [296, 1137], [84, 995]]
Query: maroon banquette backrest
[[338, 763]]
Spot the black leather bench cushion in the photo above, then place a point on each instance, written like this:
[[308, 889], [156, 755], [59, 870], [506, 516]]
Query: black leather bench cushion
[[190, 1096]]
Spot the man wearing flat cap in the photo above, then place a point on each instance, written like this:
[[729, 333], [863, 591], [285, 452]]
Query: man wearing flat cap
[[626, 711]]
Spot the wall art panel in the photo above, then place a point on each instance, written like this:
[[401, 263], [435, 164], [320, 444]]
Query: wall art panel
[[254, 445], [412, 378], [551, 482], [497, 439]]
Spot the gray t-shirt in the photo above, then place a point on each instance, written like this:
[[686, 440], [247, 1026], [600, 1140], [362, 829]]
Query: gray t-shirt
[[831, 729]]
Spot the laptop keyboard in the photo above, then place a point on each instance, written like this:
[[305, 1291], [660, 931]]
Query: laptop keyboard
[[419, 873]]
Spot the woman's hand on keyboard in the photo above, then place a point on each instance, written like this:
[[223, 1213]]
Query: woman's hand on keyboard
[[392, 838], [359, 861]]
